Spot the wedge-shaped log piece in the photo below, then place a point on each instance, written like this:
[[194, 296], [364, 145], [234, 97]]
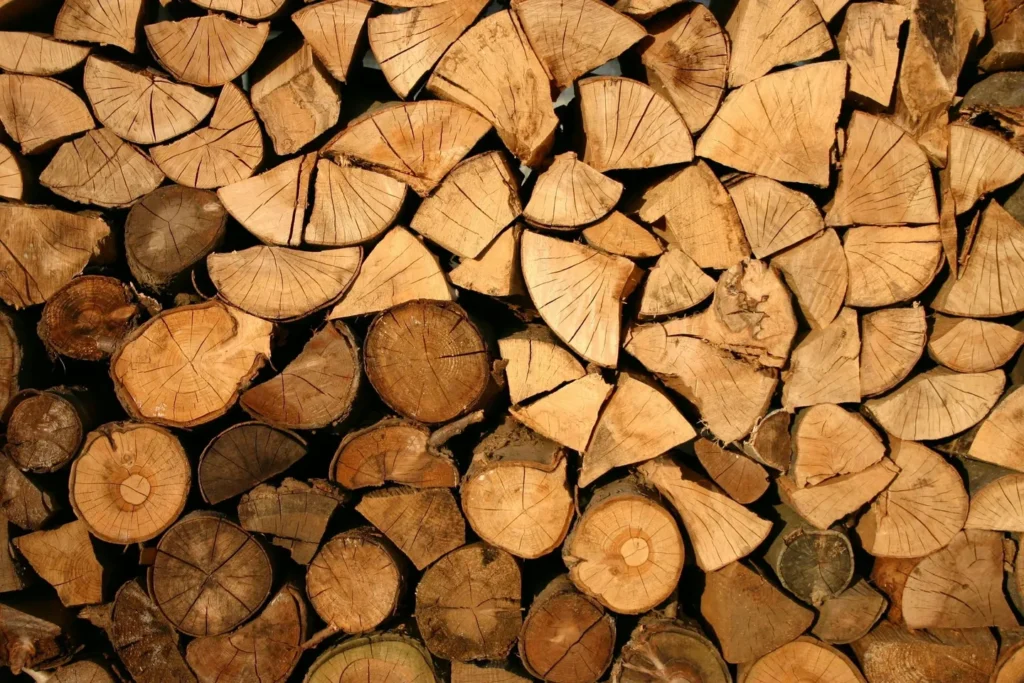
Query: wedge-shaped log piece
[[700, 215], [496, 272], [272, 205], [14, 178], [247, 9], [989, 285], [141, 105], [969, 345], [1006, 27], [579, 293], [825, 365], [243, 456], [829, 441], [22, 501], [1000, 438], [417, 143], [34, 641], [891, 653], [1011, 664], [765, 35], [675, 284], [661, 649], [980, 162], [638, 424], [36, 54], [572, 37], [885, 178], [937, 404], [569, 414], [890, 265], [351, 205], [825, 503], [688, 62], [999, 505], [960, 586], [891, 343], [277, 283], [106, 22], [625, 550], [187, 365], [332, 29], [570, 194], [749, 615], [408, 44], [921, 511], [491, 65], [536, 363], [478, 199], [739, 476], [64, 558], [619, 235], [38, 113], [294, 514], [803, 659], [627, 124], [182, 47], [774, 216], [792, 140], [424, 523], [225, 152], [380, 654], [393, 450], [316, 389], [850, 615], [816, 273], [60, 243], [869, 42], [769, 442]]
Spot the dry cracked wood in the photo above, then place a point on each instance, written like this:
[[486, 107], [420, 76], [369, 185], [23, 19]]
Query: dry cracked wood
[[675, 284], [825, 366], [243, 456], [423, 523], [969, 345], [765, 35], [22, 501], [617, 234], [830, 441], [1007, 31], [891, 342], [45, 428], [176, 45], [869, 42], [998, 505], [384, 655], [38, 113], [570, 194], [773, 216], [815, 271], [351, 205], [567, 415], [496, 272], [1000, 438], [88, 318], [661, 650], [294, 515], [980, 162], [393, 450], [888, 265], [248, 9], [64, 558], [82, 671], [850, 615], [739, 476], [536, 363], [14, 178], [825, 503], [272, 205], [35, 54], [106, 22], [333, 29], [492, 672], [803, 659], [891, 653]]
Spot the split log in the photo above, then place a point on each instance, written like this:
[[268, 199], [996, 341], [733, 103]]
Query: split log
[[100, 168], [45, 428], [826, 503], [891, 342], [980, 162], [332, 30], [105, 22], [40, 113], [744, 134], [890, 576], [31, 641], [492, 64], [14, 179], [393, 451], [515, 494], [410, 141], [82, 671], [815, 271], [384, 655], [739, 476], [567, 637], [849, 616], [825, 366], [567, 415], [88, 318], [497, 271], [486, 673], [769, 442], [617, 234], [178, 46], [468, 604], [13, 575], [294, 514], [803, 659], [947, 222], [142, 105], [1010, 666], [351, 205], [890, 265], [815, 565], [248, 9], [662, 650], [578, 292], [998, 438], [830, 441], [65, 559], [968, 345], [891, 654], [1007, 31], [625, 550], [35, 54], [767, 35], [721, 530], [225, 152], [423, 523], [22, 501], [244, 455], [674, 284], [996, 506], [749, 615], [570, 194], [265, 649], [355, 581], [272, 205], [773, 216], [536, 363], [869, 42], [130, 482]]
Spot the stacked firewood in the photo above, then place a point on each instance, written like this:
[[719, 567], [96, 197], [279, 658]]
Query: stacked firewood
[[426, 340]]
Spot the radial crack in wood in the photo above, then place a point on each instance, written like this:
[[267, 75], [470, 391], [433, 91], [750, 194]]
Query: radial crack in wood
[[536, 363], [890, 265], [891, 342], [23, 502], [294, 514], [423, 523], [333, 30], [39, 113], [815, 271], [570, 194], [243, 456], [674, 284], [980, 162], [824, 504], [774, 216], [569, 414], [35, 54], [272, 205], [968, 345], [247, 9], [830, 441], [45, 428], [869, 42], [825, 366], [497, 271], [182, 47], [64, 558], [106, 22], [386, 655], [803, 659], [396, 451], [998, 505], [739, 476], [15, 181], [767, 34], [351, 205]]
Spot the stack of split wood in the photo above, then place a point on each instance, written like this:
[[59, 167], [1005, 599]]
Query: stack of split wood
[[413, 341]]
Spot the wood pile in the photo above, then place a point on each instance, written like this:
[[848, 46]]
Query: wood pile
[[412, 341]]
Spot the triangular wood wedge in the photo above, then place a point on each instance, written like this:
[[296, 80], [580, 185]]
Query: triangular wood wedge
[[395, 451], [617, 234], [869, 42], [567, 415], [272, 205], [980, 162], [674, 284], [571, 194], [885, 177], [688, 62], [408, 44], [947, 223], [578, 291], [106, 22], [491, 65], [850, 615], [826, 503], [351, 205], [969, 345], [774, 216], [398, 269], [639, 423], [627, 124], [790, 141], [960, 586], [417, 143], [769, 442], [890, 265], [244, 455], [64, 557], [825, 366], [496, 272], [816, 273], [102, 169], [247, 9], [225, 152], [721, 530], [333, 30], [992, 282], [741, 477], [998, 505], [1000, 438], [13, 179], [572, 37], [891, 343], [767, 34], [182, 47], [830, 441], [937, 404], [478, 198], [283, 284], [35, 54], [805, 659], [700, 215], [536, 363], [423, 523], [38, 113]]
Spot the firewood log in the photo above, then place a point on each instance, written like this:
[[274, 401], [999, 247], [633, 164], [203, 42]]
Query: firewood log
[[31, 639], [869, 42], [824, 504], [13, 574], [39, 128], [892, 340], [661, 650], [536, 363], [815, 565], [849, 616], [106, 22], [248, 9], [674, 284], [351, 205], [423, 523], [996, 505], [830, 441], [23, 501], [82, 671], [393, 451], [45, 428], [770, 443], [463, 672], [567, 415], [767, 35], [15, 182], [272, 205], [815, 271], [176, 44], [1007, 33], [35, 54], [244, 455], [387, 655], [804, 658], [890, 265], [891, 654], [332, 30], [88, 318], [969, 345], [739, 476], [996, 441], [980, 162], [825, 366], [64, 558], [1010, 666], [497, 271], [791, 218], [570, 194], [618, 234], [294, 514]]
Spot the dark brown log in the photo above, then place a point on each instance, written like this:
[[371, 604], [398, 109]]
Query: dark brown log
[[850, 615], [662, 650], [396, 451], [424, 524], [294, 514], [815, 565], [245, 455], [31, 640], [45, 428], [22, 501], [87, 318], [64, 557], [12, 573], [769, 442], [741, 477]]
